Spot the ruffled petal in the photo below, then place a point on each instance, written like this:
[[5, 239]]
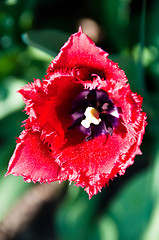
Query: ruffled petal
[[32, 160], [86, 59], [80, 51], [49, 112]]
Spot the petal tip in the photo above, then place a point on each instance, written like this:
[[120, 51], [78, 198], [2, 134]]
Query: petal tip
[[6, 174], [80, 30]]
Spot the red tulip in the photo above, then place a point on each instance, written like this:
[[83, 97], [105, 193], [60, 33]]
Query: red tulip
[[84, 123]]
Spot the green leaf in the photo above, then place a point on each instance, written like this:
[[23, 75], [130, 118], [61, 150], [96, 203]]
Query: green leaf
[[49, 41], [107, 229], [11, 189], [115, 18], [74, 218], [127, 63], [152, 28], [10, 100], [10, 2], [10, 127], [131, 209], [152, 230]]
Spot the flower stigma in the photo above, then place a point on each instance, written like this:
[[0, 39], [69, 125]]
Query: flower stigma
[[94, 113], [92, 116]]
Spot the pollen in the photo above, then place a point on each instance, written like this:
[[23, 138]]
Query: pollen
[[92, 116]]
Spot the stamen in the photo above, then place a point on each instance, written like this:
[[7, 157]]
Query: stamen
[[105, 106], [115, 113], [76, 123], [94, 112], [92, 134], [92, 98], [110, 131]]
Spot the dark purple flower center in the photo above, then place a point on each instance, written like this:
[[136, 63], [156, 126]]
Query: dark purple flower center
[[94, 112]]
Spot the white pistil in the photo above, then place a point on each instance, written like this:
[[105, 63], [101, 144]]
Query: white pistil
[[92, 116]]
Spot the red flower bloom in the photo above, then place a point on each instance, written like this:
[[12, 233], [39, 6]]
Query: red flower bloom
[[84, 123]]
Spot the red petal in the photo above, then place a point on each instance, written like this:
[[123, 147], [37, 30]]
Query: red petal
[[80, 51], [48, 106], [32, 160]]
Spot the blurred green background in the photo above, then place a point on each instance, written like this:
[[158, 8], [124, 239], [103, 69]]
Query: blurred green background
[[31, 34]]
